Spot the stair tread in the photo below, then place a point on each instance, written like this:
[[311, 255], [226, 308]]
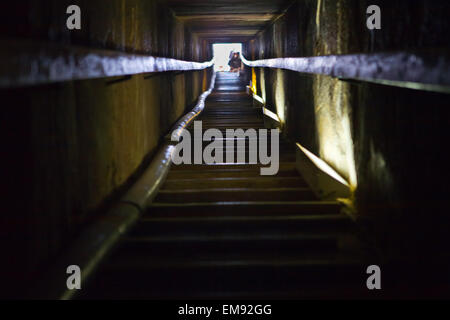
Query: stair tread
[[163, 225], [246, 203], [237, 207], [327, 259], [290, 218], [233, 237], [236, 190]]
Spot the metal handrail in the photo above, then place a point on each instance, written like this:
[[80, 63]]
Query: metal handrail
[[412, 70], [145, 189], [28, 62], [97, 240]]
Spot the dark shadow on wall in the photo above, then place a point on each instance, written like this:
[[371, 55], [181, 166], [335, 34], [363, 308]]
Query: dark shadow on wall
[[301, 118], [401, 141], [69, 150]]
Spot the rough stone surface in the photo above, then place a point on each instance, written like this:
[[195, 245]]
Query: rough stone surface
[[387, 142], [72, 148]]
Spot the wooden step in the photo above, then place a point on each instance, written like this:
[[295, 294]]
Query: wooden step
[[228, 208], [337, 223], [300, 276], [241, 182], [227, 166], [226, 246], [236, 194], [222, 167], [225, 173]]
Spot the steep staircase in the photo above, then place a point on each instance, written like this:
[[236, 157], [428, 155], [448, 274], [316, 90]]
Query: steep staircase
[[225, 231]]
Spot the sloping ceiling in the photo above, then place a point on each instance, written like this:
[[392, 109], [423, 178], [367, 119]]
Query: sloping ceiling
[[227, 20]]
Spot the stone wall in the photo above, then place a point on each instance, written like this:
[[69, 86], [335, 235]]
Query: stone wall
[[388, 143], [72, 148]]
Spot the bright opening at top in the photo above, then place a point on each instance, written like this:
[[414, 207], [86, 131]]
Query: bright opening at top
[[222, 53]]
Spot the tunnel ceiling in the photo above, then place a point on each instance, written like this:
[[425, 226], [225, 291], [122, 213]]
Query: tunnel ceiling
[[227, 20]]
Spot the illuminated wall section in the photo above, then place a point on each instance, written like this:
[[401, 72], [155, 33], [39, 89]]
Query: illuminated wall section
[[324, 101], [280, 96], [262, 82], [333, 125]]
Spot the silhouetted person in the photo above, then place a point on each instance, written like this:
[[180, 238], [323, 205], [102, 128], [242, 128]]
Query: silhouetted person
[[235, 62]]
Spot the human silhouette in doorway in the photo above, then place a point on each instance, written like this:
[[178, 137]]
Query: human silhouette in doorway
[[235, 62]]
